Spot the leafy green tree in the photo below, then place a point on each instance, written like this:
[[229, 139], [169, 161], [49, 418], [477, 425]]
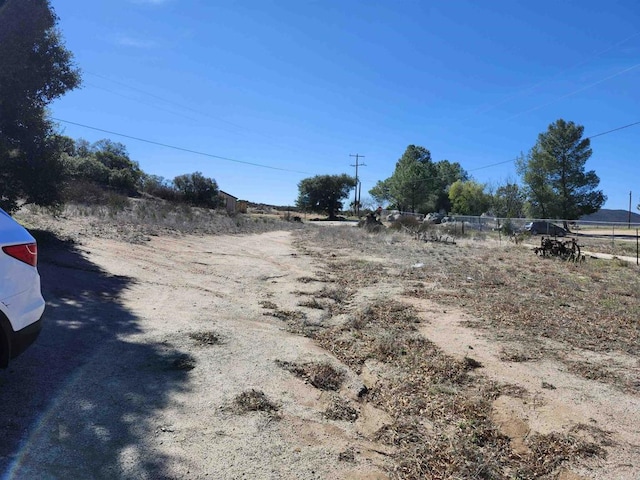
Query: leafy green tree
[[90, 169], [469, 198], [413, 185], [447, 174], [124, 173], [554, 176], [324, 193], [159, 187], [508, 201], [196, 189], [380, 192], [35, 69], [104, 163]]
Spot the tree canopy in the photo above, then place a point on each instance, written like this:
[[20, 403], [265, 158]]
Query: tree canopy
[[419, 184], [554, 176], [413, 180], [447, 174], [105, 163], [35, 69], [324, 193], [196, 189], [469, 198], [508, 201]]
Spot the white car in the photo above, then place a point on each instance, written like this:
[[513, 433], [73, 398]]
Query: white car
[[21, 302]]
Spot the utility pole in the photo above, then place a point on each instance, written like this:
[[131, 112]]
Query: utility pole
[[357, 196], [629, 219]]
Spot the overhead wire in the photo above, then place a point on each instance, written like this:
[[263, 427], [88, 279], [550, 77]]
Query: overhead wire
[[582, 89], [558, 74], [296, 171], [158, 97], [140, 101], [174, 147], [239, 129], [478, 168], [417, 182]]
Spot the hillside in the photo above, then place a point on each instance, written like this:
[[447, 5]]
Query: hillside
[[611, 216]]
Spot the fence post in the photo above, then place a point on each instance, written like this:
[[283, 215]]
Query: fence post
[[613, 239]]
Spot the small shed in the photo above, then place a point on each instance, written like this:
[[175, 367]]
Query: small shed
[[228, 201]]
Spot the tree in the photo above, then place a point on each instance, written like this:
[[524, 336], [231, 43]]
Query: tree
[[469, 198], [324, 193], [447, 174], [159, 187], [35, 69], [380, 192], [412, 187], [508, 201], [554, 176], [124, 174], [196, 189], [104, 163]]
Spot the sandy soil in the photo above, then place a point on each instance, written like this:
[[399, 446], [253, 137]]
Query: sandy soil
[[117, 387]]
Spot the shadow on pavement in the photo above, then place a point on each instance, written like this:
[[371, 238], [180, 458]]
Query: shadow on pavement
[[83, 401]]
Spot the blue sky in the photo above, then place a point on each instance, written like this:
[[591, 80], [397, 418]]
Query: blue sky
[[299, 85]]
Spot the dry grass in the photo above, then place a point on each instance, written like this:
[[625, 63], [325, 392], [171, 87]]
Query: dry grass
[[341, 409], [442, 412], [135, 219], [253, 401], [205, 338], [311, 303], [321, 375]]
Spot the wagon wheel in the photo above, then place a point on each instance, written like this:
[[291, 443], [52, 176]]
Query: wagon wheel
[[577, 254], [574, 251]]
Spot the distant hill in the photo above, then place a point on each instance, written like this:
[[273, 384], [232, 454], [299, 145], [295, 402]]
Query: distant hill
[[611, 216]]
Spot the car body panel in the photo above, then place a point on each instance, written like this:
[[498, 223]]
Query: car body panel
[[21, 301]]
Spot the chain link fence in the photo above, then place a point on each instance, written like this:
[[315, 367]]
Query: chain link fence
[[611, 238]]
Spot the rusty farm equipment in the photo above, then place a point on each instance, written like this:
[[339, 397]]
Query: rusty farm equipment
[[566, 249]]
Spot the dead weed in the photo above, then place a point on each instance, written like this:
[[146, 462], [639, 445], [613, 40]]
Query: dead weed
[[205, 338], [442, 413], [253, 401], [321, 375]]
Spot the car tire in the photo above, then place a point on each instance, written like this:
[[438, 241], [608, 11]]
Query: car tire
[[5, 341], [534, 232]]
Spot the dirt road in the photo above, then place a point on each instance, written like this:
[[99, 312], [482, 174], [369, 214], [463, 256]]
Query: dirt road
[[116, 387], [146, 348]]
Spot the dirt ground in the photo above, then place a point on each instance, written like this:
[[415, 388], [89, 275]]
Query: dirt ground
[[147, 347]]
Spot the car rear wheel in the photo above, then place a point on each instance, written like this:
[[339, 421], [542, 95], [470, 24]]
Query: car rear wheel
[[5, 341]]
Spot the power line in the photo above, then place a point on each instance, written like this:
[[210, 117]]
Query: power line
[[417, 182], [581, 89], [171, 102], [152, 142], [239, 129], [140, 101], [589, 137], [562, 72], [614, 130]]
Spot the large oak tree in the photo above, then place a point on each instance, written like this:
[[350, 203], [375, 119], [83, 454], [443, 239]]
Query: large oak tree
[[35, 69], [324, 193]]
